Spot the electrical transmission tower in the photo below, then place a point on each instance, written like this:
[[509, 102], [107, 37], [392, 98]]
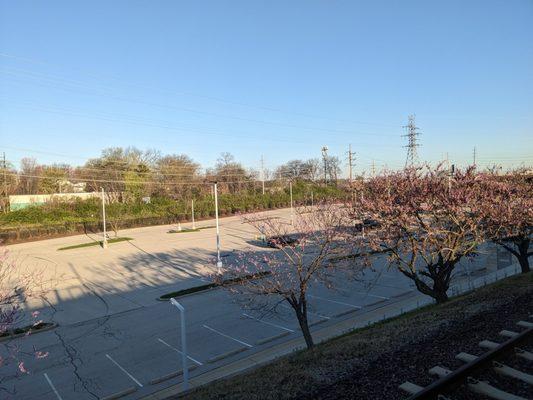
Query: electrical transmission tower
[[351, 162], [412, 133], [325, 158]]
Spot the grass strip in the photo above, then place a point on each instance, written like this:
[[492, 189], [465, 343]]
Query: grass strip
[[212, 285], [95, 243], [185, 230], [25, 330]]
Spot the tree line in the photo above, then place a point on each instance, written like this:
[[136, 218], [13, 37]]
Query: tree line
[[131, 174]]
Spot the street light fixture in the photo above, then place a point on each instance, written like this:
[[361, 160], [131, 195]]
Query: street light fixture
[[175, 303], [104, 241], [219, 260]]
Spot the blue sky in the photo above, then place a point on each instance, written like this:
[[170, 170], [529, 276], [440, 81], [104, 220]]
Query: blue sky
[[278, 78]]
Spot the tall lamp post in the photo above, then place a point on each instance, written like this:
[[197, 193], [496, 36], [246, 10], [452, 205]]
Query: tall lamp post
[[219, 260], [104, 241], [175, 303], [292, 209]]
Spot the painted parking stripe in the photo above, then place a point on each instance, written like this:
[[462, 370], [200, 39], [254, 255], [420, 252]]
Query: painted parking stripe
[[335, 301], [178, 351], [123, 370], [226, 336], [373, 295], [268, 323], [53, 387], [309, 312]]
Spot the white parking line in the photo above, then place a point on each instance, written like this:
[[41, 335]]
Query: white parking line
[[373, 295], [178, 351], [53, 387], [226, 336], [335, 301], [123, 370], [267, 323], [309, 312]]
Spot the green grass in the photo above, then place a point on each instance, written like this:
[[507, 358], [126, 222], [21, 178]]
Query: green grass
[[95, 243], [212, 285]]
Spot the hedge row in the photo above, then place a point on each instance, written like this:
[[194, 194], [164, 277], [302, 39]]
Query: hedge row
[[84, 216]]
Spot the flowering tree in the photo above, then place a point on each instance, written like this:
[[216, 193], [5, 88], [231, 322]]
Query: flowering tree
[[425, 219], [508, 212], [284, 276], [16, 287]]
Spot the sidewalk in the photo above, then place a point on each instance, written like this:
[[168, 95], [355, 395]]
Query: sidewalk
[[410, 303]]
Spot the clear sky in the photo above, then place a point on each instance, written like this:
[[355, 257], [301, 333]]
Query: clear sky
[[278, 78]]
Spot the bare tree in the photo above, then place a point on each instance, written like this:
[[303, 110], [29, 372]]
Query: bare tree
[[287, 275], [508, 212], [426, 221], [17, 286]]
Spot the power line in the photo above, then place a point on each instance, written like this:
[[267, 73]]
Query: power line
[[212, 98], [134, 181]]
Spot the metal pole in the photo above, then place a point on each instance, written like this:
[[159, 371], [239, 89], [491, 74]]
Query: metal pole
[[5, 183], [104, 242], [183, 344], [312, 200], [219, 260], [263, 174], [292, 209], [192, 207]]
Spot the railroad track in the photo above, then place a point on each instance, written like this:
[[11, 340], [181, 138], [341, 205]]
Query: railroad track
[[449, 381]]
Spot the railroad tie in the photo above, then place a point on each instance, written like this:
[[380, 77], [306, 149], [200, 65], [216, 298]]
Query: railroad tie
[[487, 344], [483, 387], [508, 334], [465, 357], [512, 372], [524, 354], [439, 371], [409, 387]]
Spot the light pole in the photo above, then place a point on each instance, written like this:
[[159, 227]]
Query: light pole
[[104, 241], [292, 209], [192, 207], [219, 260], [183, 343]]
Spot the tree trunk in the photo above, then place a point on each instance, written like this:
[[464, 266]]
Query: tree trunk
[[523, 259], [524, 263], [304, 326], [440, 296]]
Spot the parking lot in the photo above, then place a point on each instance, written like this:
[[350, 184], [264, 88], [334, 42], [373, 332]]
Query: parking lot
[[115, 340]]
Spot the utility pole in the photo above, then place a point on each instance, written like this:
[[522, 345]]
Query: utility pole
[[325, 157], [5, 182], [219, 260], [373, 168], [192, 211], [263, 173], [412, 133], [474, 154], [104, 241], [292, 209], [351, 161]]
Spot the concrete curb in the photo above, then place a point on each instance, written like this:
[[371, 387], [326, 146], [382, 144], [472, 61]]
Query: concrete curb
[[120, 394], [272, 338], [225, 355], [171, 375], [17, 335]]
